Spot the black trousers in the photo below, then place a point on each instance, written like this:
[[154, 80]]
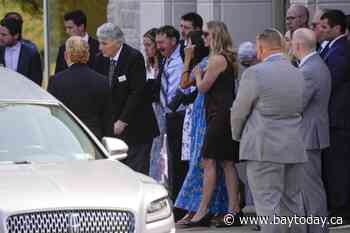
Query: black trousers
[[177, 169], [336, 172], [139, 157]]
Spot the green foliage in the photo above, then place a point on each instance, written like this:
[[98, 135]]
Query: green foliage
[[31, 11], [33, 26]]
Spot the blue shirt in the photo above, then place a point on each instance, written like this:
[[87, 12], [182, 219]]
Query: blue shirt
[[171, 78], [12, 56]]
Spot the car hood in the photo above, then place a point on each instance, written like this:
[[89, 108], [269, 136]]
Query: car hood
[[73, 184]]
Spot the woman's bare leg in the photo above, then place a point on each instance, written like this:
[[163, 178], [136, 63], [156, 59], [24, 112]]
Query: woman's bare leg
[[209, 182]]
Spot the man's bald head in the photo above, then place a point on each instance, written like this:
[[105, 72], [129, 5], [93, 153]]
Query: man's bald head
[[297, 17], [306, 38], [304, 42]]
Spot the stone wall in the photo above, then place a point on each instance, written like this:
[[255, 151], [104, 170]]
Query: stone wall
[[343, 5], [126, 14], [244, 18]]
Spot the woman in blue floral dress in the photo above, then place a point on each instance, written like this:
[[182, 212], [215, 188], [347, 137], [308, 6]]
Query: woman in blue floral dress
[[190, 194]]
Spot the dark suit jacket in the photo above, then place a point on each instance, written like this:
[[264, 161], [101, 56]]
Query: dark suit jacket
[[61, 62], [29, 63], [337, 59], [87, 94], [129, 98]]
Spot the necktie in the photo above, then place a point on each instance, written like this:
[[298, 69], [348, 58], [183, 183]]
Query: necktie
[[163, 84], [112, 66], [324, 51]]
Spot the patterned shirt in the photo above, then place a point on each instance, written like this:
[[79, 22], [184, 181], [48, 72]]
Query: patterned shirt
[[171, 78]]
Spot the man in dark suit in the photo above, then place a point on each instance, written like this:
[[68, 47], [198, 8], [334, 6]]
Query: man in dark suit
[[189, 22], [17, 16], [336, 161], [16, 55], [85, 92], [75, 25], [133, 115]]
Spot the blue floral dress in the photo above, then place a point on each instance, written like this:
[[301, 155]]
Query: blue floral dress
[[191, 192]]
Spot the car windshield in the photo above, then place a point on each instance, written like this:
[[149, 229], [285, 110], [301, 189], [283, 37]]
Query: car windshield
[[33, 132]]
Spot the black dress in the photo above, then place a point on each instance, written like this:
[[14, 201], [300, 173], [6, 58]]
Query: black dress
[[218, 143]]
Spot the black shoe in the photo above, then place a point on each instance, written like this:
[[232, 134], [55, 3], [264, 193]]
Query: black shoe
[[204, 222], [230, 220]]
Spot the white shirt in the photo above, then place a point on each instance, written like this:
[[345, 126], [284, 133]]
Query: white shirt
[[116, 57], [335, 40], [86, 38], [306, 58], [12, 56]]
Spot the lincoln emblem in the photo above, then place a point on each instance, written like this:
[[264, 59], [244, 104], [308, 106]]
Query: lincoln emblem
[[73, 223]]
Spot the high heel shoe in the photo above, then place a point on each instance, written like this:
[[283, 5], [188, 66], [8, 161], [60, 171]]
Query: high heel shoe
[[186, 218], [204, 222]]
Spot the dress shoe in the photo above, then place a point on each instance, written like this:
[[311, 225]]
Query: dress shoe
[[204, 222], [235, 222]]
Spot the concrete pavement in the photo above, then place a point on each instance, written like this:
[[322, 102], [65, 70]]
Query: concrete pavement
[[243, 229]]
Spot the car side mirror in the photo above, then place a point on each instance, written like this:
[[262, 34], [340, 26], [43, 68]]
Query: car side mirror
[[116, 148]]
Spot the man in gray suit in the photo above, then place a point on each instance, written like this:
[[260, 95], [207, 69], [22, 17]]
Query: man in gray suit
[[315, 123], [266, 118]]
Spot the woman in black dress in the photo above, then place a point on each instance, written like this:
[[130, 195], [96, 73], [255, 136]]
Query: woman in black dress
[[218, 84]]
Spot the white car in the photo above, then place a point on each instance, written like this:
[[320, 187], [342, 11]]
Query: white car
[[57, 177]]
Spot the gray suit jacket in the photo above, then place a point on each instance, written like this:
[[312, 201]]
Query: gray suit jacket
[[266, 115], [315, 124]]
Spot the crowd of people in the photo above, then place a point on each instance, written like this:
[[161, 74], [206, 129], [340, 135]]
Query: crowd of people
[[191, 108]]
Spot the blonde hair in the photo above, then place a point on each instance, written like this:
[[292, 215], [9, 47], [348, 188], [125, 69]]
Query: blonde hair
[[221, 43], [77, 49]]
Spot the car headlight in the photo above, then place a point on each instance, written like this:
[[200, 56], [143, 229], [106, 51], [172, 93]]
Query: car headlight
[[158, 210]]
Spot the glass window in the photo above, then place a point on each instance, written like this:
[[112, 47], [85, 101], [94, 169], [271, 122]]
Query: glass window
[[31, 132]]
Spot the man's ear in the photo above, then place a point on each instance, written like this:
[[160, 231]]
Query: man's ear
[[67, 58], [16, 36], [337, 29], [81, 28], [173, 41]]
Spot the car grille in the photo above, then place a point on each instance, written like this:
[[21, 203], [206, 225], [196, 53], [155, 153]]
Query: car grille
[[72, 221]]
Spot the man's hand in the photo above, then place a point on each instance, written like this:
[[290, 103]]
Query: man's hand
[[119, 127]]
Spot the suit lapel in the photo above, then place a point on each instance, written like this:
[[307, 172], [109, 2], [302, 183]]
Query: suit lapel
[[333, 48], [120, 69], [21, 60], [2, 56]]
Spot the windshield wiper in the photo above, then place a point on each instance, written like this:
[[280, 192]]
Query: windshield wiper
[[22, 162], [16, 162]]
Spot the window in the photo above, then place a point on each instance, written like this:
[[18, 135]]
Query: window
[[31, 132]]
